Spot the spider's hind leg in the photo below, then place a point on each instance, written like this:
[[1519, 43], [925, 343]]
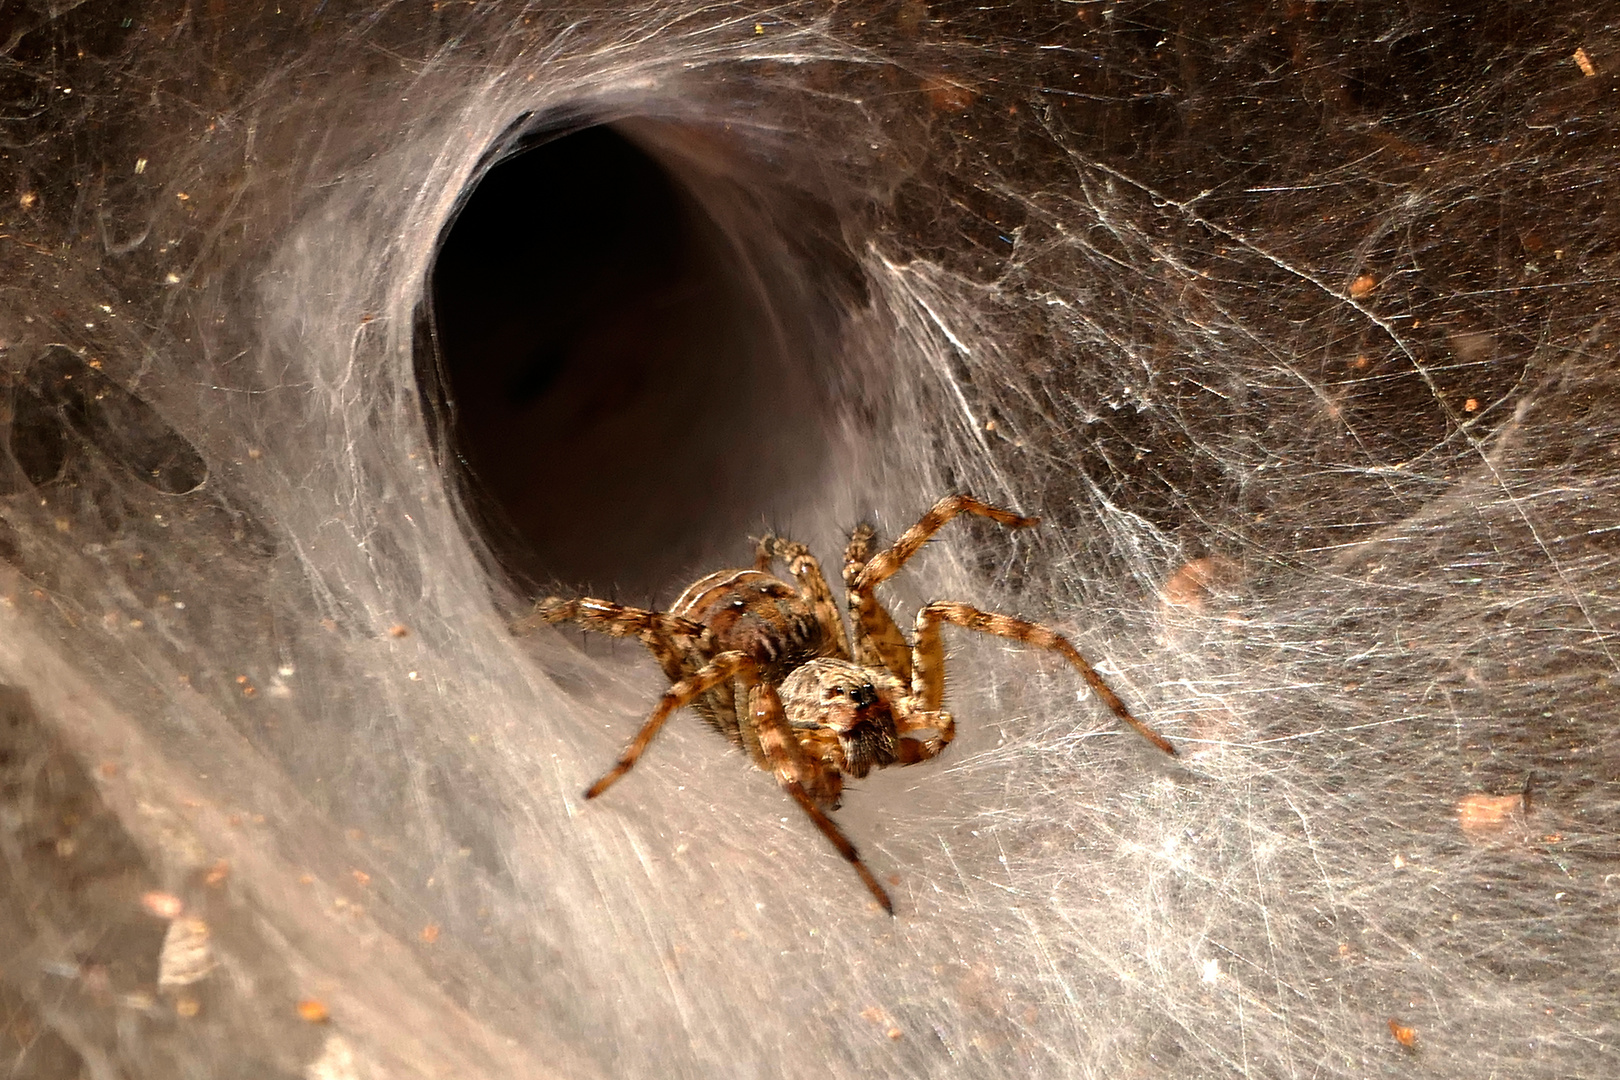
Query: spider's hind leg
[[806, 570], [724, 668], [679, 645], [928, 679]]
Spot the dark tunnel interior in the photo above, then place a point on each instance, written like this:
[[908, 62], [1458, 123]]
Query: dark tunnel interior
[[619, 393]]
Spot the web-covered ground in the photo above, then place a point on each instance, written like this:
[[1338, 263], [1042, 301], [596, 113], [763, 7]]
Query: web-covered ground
[[1295, 324]]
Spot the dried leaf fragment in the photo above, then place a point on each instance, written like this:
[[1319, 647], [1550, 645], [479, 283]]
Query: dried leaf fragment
[[186, 956], [1406, 1036]]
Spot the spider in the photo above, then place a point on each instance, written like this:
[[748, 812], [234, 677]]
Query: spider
[[770, 667]]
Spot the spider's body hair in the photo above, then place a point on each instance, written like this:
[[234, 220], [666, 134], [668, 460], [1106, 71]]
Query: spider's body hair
[[771, 666], [846, 714]]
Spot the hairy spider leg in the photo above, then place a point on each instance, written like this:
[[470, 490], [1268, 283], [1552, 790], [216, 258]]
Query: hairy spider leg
[[806, 570], [722, 669], [836, 837], [777, 744], [913, 750], [795, 769], [877, 638], [928, 681], [679, 645]]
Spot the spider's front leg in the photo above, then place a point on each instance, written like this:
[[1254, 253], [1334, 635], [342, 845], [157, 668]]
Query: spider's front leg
[[912, 749], [877, 639], [928, 658], [806, 781], [810, 783]]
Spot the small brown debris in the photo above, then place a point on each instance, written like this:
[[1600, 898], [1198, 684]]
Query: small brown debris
[[1483, 816], [217, 873], [1406, 1036], [361, 878], [876, 1015], [399, 630], [1584, 62], [1471, 405], [430, 933], [313, 1011], [109, 769], [187, 1006], [1197, 581], [947, 96], [1363, 285], [163, 905], [1473, 346]]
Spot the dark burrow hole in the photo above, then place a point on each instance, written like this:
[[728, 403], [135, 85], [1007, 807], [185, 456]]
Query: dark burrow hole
[[626, 375]]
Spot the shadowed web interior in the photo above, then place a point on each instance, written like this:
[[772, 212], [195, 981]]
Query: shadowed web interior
[[332, 335]]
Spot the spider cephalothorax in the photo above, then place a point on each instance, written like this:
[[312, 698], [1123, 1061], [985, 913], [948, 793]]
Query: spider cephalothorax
[[769, 665], [844, 714]]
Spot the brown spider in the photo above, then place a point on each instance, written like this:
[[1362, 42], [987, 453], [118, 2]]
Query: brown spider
[[814, 708]]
